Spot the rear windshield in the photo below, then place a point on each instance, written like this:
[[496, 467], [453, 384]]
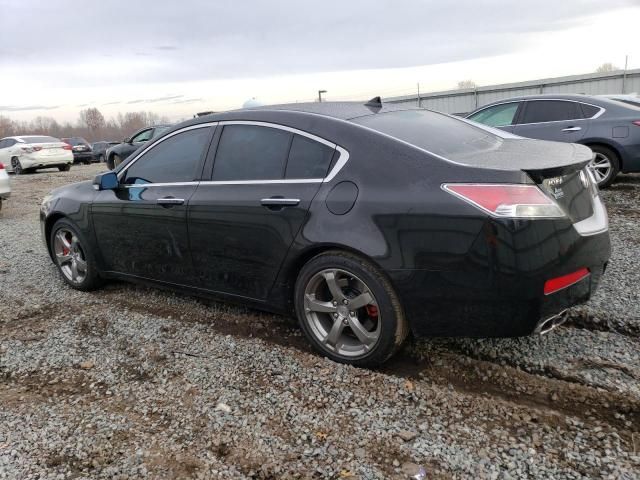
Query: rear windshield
[[39, 139], [76, 141], [160, 130], [435, 132]]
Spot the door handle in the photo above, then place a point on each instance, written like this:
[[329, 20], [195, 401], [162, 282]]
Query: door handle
[[572, 129], [277, 203], [169, 201]]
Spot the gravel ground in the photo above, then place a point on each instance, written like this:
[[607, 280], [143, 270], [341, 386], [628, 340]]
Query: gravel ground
[[131, 382]]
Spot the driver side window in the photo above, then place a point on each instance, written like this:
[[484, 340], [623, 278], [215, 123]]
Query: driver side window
[[176, 159], [142, 136]]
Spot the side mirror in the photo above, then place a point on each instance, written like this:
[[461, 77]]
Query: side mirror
[[106, 181], [127, 140]]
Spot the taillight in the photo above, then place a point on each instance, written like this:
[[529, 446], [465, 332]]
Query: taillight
[[31, 149], [558, 283], [506, 200], [636, 122], [1, 166], [66, 146]]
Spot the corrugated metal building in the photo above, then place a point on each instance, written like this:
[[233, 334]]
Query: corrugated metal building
[[467, 100]]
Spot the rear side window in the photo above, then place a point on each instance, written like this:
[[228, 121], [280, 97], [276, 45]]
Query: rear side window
[[434, 132], [175, 159], [498, 115], [589, 110], [538, 111], [308, 158], [39, 139], [251, 152]]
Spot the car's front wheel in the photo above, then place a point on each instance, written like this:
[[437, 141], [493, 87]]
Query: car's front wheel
[[73, 257], [348, 309], [605, 165]]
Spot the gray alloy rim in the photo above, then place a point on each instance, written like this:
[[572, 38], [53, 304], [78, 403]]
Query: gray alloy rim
[[342, 312], [15, 164], [601, 167], [70, 256]]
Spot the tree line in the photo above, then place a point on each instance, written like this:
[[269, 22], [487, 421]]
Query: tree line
[[91, 125]]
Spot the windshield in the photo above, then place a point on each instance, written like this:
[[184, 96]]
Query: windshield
[[431, 131], [159, 131]]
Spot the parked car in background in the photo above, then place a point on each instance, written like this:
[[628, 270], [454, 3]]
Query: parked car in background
[[81, 149], [100, 148], [610, 128], [118, 153], [27, 153], [5, 185], [367, 221]]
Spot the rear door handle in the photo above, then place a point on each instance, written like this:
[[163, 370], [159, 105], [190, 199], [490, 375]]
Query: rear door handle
[[279, 202], [572, 129], [170, 201]]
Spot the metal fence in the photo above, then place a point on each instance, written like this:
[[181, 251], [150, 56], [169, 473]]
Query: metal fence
[[467, 100]]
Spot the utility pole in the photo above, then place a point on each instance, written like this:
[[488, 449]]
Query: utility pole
[[320, 92], [624, 74]]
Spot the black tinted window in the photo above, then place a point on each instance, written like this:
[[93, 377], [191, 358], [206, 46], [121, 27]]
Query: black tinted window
[[308, 158], [589, 110], [537, 111], [250, 152], [173, 160], [432, 131]]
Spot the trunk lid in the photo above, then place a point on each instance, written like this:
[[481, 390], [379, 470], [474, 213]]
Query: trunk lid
[[559, 169]]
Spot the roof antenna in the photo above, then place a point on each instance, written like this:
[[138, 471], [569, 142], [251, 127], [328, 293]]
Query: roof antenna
[[375, 102]]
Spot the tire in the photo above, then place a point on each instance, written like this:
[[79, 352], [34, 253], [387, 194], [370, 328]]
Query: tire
[[16, 166], [65, 168], [366, 335], [100, 158], [72, 256], [604, 156], [86, 162]]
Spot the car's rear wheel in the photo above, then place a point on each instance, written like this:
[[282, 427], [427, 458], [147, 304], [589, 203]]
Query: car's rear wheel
[[72, 256], [100, 158], [16, 166], [65, 168], [605, 165], [348, 310]]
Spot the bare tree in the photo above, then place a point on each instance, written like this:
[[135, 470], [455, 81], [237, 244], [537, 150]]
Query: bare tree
[[462, 84], [92, 118], [607, 67]]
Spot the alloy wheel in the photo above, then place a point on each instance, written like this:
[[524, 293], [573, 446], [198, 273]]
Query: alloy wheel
[[342, 312], [17, 168], [601, 167], [70, 256]]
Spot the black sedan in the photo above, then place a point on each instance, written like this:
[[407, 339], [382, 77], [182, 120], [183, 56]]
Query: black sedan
[[118, 153], [368, 222], [81, 149]]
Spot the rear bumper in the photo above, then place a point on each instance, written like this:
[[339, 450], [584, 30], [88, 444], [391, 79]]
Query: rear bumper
[[499, 290], [630, 158], [84, 157], [39, 161]]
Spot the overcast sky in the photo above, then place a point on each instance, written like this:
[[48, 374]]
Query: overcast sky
[[176, 58]]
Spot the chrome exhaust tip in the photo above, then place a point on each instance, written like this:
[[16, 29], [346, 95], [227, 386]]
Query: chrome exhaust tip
[[545, 326]]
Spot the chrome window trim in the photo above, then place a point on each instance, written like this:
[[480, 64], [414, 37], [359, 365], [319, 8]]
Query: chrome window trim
[[340, 163], [146, 149]]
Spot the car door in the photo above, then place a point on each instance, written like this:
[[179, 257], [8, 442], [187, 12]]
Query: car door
[[243, 221], [556, 120], [501, 116], [141, 226]]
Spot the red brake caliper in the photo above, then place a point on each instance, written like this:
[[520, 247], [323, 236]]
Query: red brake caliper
[[372, 311]]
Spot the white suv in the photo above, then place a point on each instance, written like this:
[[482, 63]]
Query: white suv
[[31, 152]]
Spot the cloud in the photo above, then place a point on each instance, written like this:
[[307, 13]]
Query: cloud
[[223, 41], [13, 108]]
